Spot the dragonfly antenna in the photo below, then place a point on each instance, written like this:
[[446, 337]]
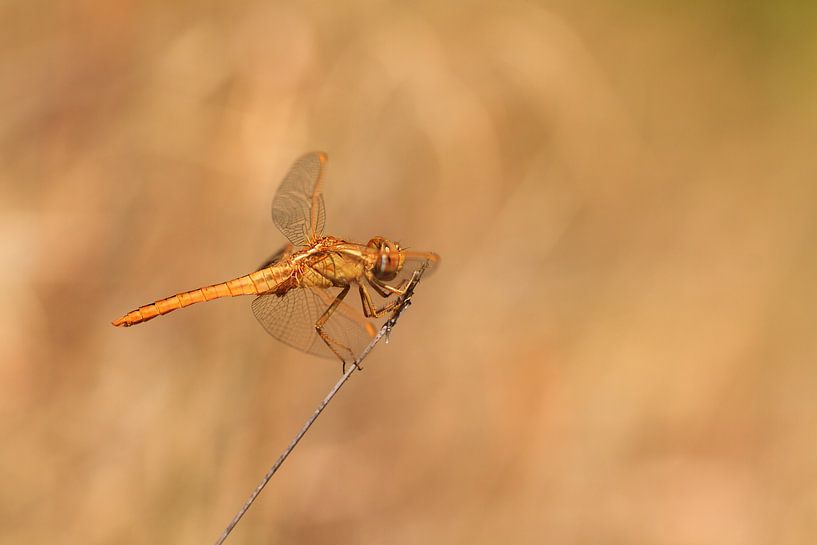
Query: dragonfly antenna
[[385, 330]]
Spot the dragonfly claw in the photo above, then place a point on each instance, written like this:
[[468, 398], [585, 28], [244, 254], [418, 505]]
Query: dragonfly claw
[[343, 366]]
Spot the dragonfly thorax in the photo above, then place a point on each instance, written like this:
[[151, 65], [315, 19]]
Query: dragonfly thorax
[[329, 262]]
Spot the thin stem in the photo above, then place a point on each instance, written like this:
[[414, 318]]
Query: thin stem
[[405, 302]]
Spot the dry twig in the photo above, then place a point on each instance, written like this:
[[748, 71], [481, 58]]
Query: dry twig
[[405, 302]]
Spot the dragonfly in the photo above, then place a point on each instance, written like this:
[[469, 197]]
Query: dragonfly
[[298, 301]]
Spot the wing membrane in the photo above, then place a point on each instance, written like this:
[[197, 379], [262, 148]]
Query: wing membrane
[[291, 319], [297, 208], [412, 261], [276, 257]]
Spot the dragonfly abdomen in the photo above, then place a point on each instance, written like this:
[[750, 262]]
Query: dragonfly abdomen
[[264, 280]]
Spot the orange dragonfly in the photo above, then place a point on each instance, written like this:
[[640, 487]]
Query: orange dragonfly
[[295, 302]]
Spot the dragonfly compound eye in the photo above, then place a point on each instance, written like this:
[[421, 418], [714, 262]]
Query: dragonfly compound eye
[[388, 262]]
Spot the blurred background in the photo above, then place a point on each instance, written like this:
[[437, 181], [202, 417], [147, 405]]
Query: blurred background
[[619, 346]]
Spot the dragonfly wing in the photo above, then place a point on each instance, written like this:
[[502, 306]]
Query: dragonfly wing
[[291, 319], [297, 208], [276, 257], [412, 262]]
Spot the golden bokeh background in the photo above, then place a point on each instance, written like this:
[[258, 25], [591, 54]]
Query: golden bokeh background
[[619, 346]]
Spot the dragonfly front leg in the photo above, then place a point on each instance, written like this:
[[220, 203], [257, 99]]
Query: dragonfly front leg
[[384, 289], [368, 306], [328, 338]]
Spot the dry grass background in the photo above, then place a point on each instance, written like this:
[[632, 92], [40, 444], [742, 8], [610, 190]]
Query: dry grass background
[[620, 344]]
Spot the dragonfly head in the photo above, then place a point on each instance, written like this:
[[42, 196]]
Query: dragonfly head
[[387, 261]]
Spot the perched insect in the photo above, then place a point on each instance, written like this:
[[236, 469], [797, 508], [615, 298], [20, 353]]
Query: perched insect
[[295, 302]]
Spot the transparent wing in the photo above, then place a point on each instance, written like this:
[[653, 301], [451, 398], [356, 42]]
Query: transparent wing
[[412, 261], [276, 257], [297, 208], [291, 319]]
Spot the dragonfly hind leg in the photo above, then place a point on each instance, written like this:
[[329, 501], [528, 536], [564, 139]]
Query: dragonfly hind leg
[[328, 339]]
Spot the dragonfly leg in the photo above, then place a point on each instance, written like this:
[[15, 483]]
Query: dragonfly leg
[[368, 306], [328, 339], [382, 288]]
